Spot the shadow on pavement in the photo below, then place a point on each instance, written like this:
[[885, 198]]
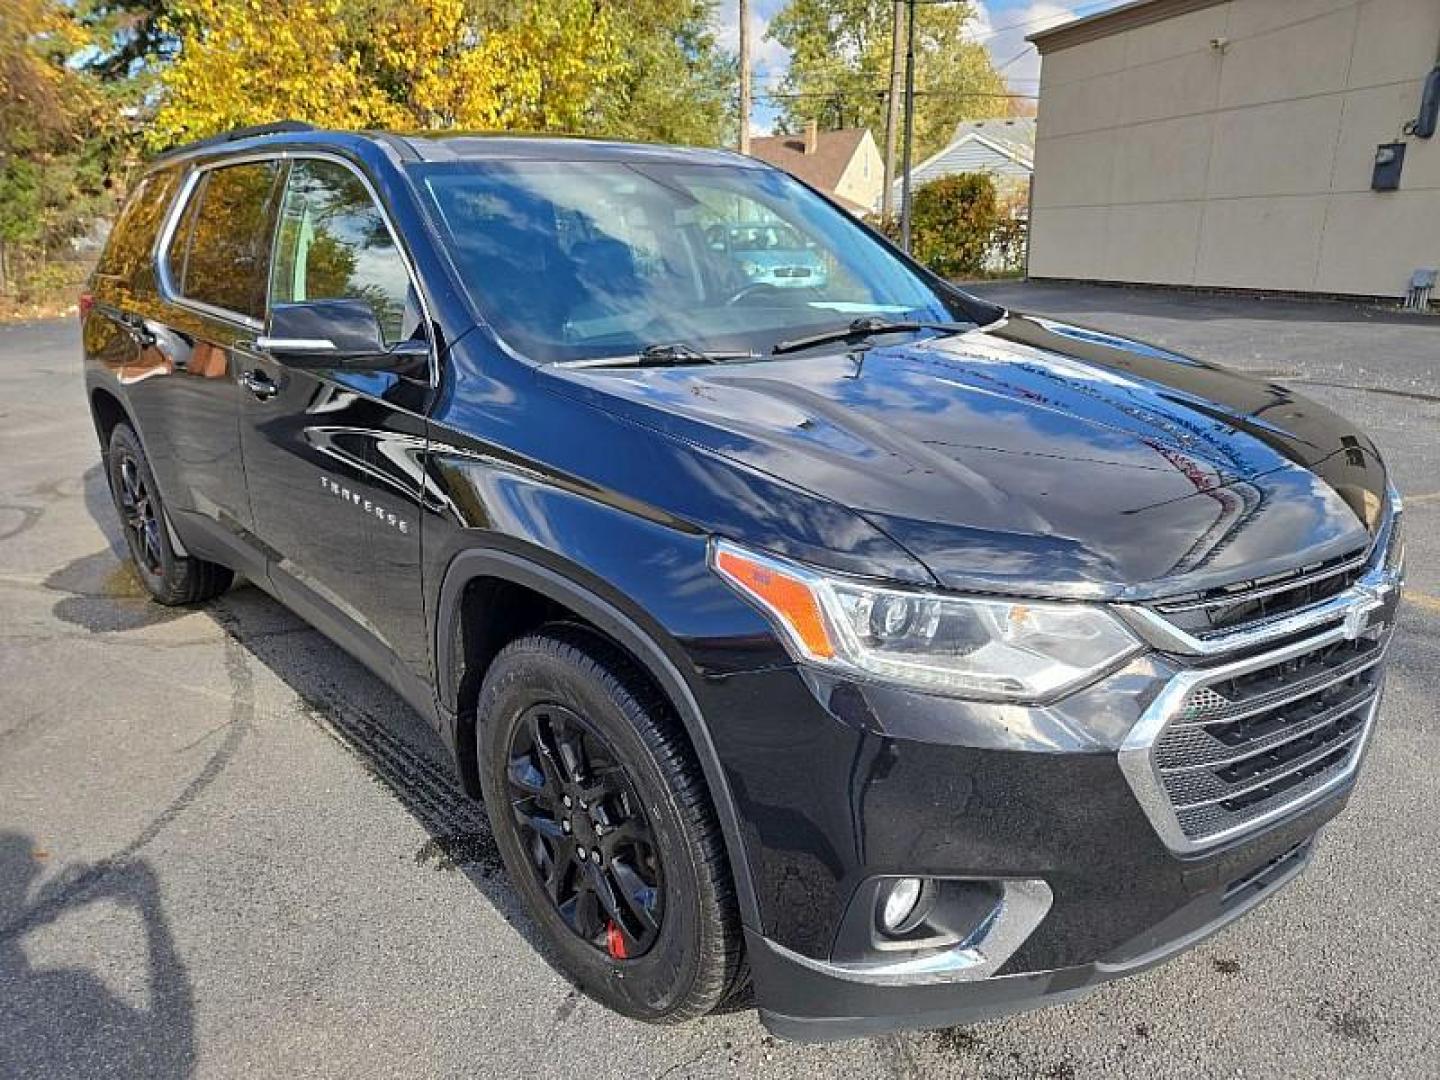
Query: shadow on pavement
[[64, 1021], [394, 744]]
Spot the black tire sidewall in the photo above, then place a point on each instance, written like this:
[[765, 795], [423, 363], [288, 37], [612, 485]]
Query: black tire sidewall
[[653, 985], [125, 443]]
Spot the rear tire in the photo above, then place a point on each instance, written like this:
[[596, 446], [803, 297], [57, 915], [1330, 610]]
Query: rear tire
[[169, 578], [563, 715]]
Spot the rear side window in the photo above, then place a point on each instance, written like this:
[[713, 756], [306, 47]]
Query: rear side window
[[334, 245], [133, 238], [220, 254]]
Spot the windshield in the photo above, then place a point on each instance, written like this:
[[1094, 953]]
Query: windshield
[[573, 260]]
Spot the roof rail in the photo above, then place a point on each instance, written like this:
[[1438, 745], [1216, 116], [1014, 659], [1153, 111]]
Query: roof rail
[[280, 127]]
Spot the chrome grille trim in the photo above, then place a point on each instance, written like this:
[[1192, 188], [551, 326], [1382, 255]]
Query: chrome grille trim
[[1147, 777], [1240, 596], [1381, 562], [1366, 595]]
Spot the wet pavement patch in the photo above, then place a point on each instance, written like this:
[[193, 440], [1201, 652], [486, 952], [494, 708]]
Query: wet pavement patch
[[104, 595], [957, 1040], [455, 850], [1354, 1021]]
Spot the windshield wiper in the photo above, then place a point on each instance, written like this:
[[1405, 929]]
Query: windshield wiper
[[859, 329], [673, 354]]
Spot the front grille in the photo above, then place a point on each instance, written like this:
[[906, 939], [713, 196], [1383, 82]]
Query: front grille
[[1252, 735], [1239, 747]]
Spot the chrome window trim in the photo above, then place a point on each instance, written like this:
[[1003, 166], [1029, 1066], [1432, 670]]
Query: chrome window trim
[[270, 344], [171, 295], [166, 286], [1136, 752]]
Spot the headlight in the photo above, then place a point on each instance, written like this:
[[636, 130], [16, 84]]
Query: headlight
[[1006, 650]]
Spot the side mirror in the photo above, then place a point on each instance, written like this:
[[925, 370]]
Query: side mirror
[[333, 334]]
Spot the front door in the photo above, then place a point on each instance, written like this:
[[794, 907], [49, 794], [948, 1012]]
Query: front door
[[327, 452]]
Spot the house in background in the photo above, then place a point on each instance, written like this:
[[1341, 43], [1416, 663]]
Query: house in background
[[1244, 144], [846, 165], [1003, 148]]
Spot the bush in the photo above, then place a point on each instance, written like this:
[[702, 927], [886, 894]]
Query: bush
[[959, 227]]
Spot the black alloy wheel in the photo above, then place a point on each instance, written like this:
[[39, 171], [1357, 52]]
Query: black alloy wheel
[[586, 832], [137, 516], [601, 813], [169, 576]]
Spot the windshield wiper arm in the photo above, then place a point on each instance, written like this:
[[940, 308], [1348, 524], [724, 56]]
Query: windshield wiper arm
[[869, 326], [665, 355]]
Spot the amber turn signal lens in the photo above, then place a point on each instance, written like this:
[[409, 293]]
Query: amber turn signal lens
[[788, 598]]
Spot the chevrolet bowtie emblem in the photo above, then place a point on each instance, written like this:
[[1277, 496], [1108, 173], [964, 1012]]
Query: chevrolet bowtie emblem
[[1357, 617]]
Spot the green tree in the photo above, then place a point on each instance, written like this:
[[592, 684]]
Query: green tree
[[840, 62], [958, 224], [676, 84]]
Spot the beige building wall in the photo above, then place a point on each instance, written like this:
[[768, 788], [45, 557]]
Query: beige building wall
[[864, 178], [1245, 163]]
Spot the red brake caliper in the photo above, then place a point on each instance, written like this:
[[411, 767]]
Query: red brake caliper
[[615, 941]]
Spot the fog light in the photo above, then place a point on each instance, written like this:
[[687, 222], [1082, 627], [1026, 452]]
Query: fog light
[[900, 904]]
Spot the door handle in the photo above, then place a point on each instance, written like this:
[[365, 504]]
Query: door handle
[[259, 384]]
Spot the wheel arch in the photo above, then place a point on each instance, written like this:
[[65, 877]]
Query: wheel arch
[[108, 412], [456, 677]]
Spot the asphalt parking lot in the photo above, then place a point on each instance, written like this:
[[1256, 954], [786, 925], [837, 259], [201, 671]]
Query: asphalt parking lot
[[227, 850]]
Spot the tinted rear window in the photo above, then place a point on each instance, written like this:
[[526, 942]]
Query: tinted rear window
[[227, 238], [133, 238]]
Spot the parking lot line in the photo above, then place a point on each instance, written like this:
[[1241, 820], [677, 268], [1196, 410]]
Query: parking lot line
[[1423, 600]]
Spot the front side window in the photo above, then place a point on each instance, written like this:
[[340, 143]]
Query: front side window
[[334, 245], [220, 253], [574, 260]]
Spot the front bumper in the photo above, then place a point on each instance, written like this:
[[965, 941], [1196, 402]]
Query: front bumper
[[800, 1001], [837, 783]]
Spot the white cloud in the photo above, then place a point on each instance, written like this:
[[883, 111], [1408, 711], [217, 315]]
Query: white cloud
[[768, 59], [1004, 35]]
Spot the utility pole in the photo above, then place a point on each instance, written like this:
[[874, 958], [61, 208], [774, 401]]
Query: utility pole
[[892, 110], [909, 128], [744, 76]]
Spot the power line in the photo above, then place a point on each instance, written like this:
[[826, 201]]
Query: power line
[[836, 93], [1019, 55], [1079, 9]]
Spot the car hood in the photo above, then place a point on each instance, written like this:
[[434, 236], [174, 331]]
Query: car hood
[[1036, 457]]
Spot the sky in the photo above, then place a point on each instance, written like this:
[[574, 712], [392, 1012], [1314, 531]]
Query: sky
[[1001, 25]]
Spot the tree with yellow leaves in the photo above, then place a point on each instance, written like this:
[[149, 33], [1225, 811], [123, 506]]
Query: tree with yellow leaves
[[58, 141], [541, 66]]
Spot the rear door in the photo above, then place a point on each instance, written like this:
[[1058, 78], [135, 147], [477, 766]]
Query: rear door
[[212, 268], [333, 457]]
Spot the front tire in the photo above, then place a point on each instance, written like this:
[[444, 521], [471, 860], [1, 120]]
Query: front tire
[[169, 578], [579, 757]]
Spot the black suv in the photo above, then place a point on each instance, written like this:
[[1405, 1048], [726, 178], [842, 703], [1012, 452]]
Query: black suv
[[835, 638]]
